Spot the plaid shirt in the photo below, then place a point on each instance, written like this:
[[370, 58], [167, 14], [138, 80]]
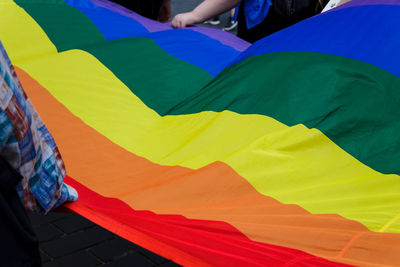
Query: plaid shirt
[[28, 146]]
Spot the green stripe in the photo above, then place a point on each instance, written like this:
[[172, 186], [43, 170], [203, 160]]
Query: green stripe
[[354, 103], [157, 78], [67, 27], [153, 75]]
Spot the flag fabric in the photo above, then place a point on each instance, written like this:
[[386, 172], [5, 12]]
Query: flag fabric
[[209, 151]]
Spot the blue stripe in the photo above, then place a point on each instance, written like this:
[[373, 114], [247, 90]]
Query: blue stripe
[[111, 24], [187, 45], [367, 33], [196, 48]]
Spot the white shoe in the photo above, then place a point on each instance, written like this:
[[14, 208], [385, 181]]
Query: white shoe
[[230, 25], [213, 21]]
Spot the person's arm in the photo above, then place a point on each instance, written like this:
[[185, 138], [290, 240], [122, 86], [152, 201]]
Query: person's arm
[[204, 11]]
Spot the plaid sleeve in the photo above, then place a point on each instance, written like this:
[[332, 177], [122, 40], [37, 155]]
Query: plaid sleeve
[[28, 146]]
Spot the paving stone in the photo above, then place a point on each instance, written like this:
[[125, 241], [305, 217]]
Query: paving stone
[[134, 259], [78, 259], [113, 249], [157, 259], [47, 232], [73, 223], [50, 264], [169, 264], [44, 257], [118, 247], [39, 218], [150, 255], [75, 242]]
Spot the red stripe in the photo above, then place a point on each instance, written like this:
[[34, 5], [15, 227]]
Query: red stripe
[[185, 241]]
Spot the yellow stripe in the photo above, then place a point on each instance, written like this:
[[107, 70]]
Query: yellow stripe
[[21, 35], [292, 164], [392, 224]]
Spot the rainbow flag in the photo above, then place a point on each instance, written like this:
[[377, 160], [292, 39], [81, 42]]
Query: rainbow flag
[[209, 151]]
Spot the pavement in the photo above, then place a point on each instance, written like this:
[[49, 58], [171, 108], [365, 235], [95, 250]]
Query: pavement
[[68, 239]]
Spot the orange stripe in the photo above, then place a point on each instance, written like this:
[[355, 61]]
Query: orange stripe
[[214, 192], [192, 243]]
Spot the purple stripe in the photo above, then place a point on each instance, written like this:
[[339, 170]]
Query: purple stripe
[[155, 26], [366, 3], [224, 37]]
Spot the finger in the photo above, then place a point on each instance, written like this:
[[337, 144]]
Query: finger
[[174, 22]]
